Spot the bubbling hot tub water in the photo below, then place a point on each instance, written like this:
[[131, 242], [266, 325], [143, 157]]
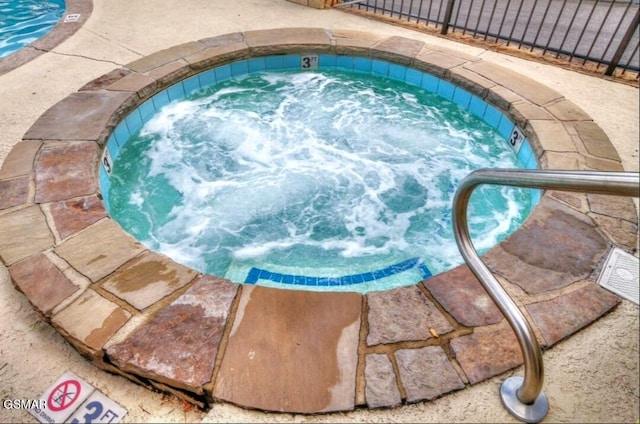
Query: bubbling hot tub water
[[321, 174]]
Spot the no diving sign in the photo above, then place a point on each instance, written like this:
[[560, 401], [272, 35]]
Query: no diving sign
[[70, 396], [64, 395]]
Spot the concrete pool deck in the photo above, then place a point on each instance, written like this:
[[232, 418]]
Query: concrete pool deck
[[372, 353]]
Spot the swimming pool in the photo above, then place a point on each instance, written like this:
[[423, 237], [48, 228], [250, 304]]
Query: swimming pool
[[336, 178], [24, 21]]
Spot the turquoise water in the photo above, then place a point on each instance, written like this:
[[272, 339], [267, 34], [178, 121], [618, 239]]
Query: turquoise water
[[321, 174], [24, 21]]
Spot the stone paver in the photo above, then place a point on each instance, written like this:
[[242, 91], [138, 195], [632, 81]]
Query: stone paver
[[80, 116], [147, 279], [398, 49], [157, 59], [401, 314], [596, 141], [24, 233], [381, 383], [44, 285], [462, 295], [564, 315], [71, 216], [533, 91], [20, 159], [437, 63], [287, 39], [194, 323], [99, 250], [90, 321], [566, 110], [15, 192], [426, 373], [615, 206], [292, 351], [485, 354], [64, 171], [287, 350], [551, 135], [567, 247]]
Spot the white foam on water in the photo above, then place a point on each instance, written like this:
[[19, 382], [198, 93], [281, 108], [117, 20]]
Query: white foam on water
[[327, 166]]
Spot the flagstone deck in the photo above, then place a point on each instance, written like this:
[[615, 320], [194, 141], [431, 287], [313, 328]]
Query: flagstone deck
[[141, 315]]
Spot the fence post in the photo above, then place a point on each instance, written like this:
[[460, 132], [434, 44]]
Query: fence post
[[447, 17], [623, 45]]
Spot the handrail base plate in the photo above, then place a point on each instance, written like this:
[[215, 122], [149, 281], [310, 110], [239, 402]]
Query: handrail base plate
[[532, 413]]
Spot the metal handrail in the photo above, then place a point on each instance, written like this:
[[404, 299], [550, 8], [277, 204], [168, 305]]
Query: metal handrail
[[523, 397]]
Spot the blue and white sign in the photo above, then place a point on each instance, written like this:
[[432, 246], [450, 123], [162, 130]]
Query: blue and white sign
[[71, 399]]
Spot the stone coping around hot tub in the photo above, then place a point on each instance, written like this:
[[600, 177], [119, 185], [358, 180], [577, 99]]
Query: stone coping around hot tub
[[139, 314], [60, 32]]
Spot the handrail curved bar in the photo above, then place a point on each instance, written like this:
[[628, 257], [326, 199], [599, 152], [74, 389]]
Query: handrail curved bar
[[523, 397]]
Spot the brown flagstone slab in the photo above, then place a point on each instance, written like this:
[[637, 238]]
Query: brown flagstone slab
[[353, 41], [485, 354], [400, 49], [502, 97], [99, 249], [403, 314], [220, 49], [20, 159], [566, 110], [141, 84], [525, 111], [266, 40], [167, 74], [567, 247], [562, 316], [292, 351], [601, 164], [14, 192], [532, 90], [436, 63], [381, 384], [71, 216], [462, 295], [551, 135], [163, 57], [147, 279], [471, 81], [621, 232], [426, 373], [42, 282], [23, 233], [105, 80], [91, 320], [596, 141], [64, 171], [79, 116], [194, 323]]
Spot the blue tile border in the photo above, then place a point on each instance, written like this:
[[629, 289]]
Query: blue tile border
[[254, 275], [358, 64]]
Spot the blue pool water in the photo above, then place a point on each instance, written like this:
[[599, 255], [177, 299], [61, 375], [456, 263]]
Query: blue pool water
[[24, 21], [322, 180]]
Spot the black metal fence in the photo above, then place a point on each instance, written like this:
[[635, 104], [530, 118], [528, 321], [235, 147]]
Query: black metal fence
[[602, 34]]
